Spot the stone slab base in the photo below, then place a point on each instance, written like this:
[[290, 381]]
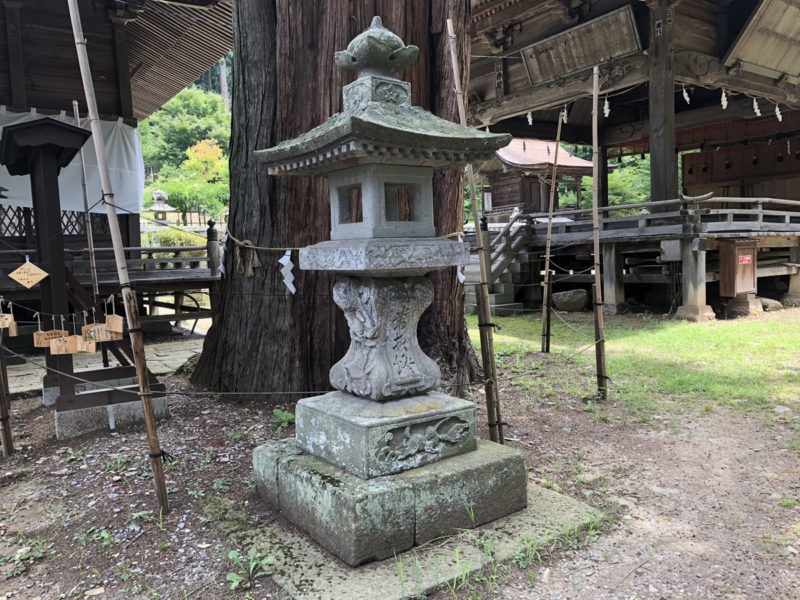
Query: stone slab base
[[742, 307], [72, 423], [695, 313], [791, 299], [364, 520], [304, 571], [50, 394], [370, 439]]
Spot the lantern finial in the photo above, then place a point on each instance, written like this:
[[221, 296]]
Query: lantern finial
[[376, 51]]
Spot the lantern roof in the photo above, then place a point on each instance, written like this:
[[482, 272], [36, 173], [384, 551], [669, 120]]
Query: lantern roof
[[378, 124]]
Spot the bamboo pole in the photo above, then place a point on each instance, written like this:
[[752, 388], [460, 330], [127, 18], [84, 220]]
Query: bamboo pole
[[484, 309], [86, 216], [546, 292], [5, 409], [128, 295], [599, 330]]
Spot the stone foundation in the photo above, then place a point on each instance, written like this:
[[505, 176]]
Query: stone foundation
[[695, 313], [72, 423], [743, 305], [363, 520]]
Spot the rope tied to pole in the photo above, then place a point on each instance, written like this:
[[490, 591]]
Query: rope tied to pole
[[163, 454]]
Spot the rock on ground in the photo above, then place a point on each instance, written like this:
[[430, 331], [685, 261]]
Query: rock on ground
[[769, 304], [571, 300]]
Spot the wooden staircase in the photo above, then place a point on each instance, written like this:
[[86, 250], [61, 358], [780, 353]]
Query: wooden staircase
[[513, 272]]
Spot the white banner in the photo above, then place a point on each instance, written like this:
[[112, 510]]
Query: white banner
[[125, 165]]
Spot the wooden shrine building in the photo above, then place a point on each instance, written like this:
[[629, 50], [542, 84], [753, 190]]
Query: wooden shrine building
[[141, 54], [520, 177], [710, 89]]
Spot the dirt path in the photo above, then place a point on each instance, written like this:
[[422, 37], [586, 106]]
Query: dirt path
[[700, 507], [704, 503]]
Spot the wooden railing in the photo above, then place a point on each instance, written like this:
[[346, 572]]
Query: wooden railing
[[679, 217], [148, 258]]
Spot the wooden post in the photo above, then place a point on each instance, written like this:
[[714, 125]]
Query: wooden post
[[546, 296], [613, 283], [661, 97], [128, 295], [599, 330], [223, 84], [482, 297], [578, 199], [212, 243], [50, 247], [603, 183], [86, 215], [5, 409]]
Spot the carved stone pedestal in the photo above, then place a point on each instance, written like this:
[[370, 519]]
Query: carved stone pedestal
[[384, 360], [370, 439]]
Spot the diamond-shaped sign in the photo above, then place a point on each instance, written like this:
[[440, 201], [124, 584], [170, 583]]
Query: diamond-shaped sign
[[28, 275]]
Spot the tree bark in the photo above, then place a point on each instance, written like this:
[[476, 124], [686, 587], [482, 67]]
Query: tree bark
[[285, 83]]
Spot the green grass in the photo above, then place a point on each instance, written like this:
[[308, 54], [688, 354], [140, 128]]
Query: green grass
[[748, 363]]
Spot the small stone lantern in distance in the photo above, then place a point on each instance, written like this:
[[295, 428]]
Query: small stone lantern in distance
[[379, 155]]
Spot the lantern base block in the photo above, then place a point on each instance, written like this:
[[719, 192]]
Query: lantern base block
[[364, 520], [370, 439]]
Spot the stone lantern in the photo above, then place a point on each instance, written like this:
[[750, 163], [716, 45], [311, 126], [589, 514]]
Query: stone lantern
[[355, 477]]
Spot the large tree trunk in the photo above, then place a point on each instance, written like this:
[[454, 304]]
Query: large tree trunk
[[285, 83]]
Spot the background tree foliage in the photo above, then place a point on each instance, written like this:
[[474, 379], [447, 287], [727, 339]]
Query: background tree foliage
[[201, 182], [191, 116], [629, 183], [186, 148]]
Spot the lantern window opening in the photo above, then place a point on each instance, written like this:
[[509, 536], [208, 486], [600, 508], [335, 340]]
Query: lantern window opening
[[351, 207], [399, 201]]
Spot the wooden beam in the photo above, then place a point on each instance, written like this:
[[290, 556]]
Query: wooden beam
[[16, 58], [614, 75], [544, 130], [119, 19], [738, 109], [702, 69], [663, 159]]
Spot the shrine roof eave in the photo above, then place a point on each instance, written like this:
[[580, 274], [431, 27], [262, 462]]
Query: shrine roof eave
[[381, 134]]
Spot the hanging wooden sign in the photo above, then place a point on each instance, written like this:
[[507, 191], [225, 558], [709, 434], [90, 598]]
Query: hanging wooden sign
[[98, 332], [28, 274], [12, 330], [42, 339], [6, 320], [88, 345], [59, 345], [115, 324], [87, 331], [74, 344]]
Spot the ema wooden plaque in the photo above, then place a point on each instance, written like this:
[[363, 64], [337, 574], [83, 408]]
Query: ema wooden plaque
[[41, 339], [28, 275], [59, 345], [115, 323]]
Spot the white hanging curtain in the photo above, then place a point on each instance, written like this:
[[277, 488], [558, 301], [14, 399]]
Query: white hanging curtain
[[125, 164]]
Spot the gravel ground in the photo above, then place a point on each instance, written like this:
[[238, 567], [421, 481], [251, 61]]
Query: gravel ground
[[701, 504]]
